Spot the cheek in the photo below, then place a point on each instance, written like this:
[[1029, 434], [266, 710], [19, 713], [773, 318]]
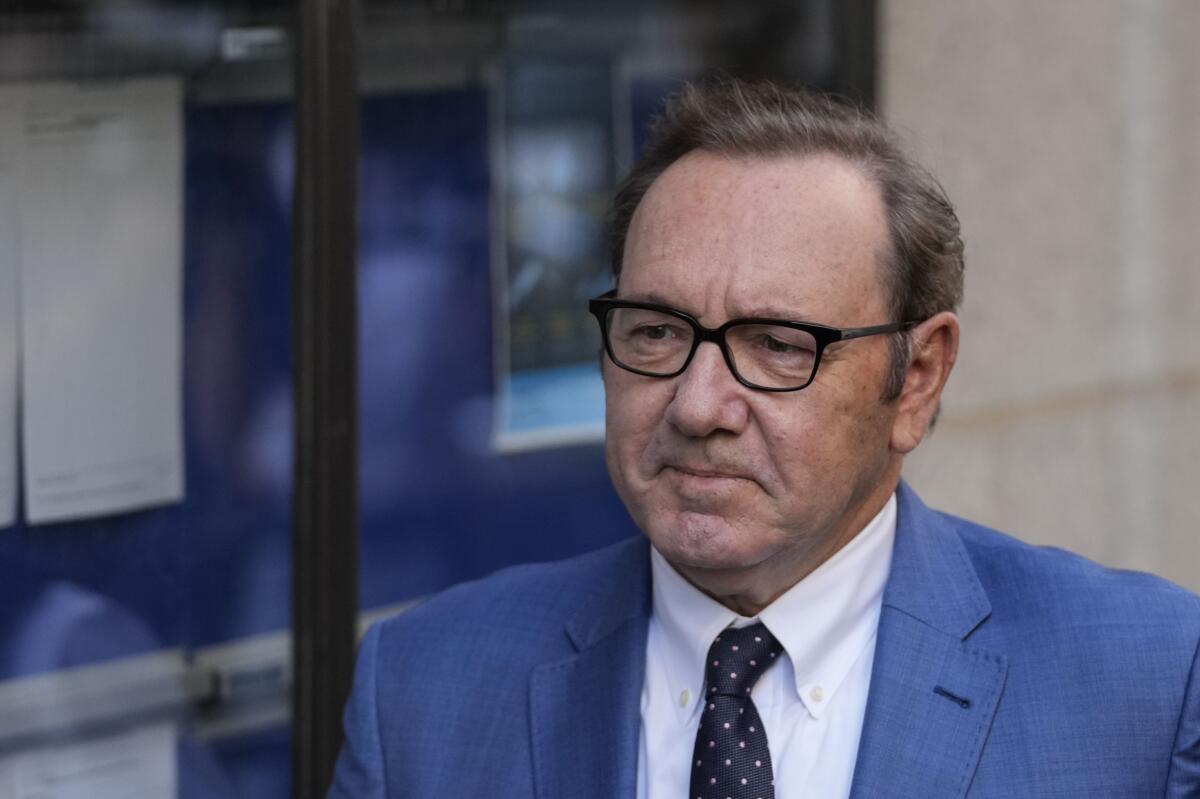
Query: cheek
[[632, 412], [837, 445], [812, 444]]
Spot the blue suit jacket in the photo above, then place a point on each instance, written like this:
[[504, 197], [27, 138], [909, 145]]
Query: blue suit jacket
[[1001, 670]]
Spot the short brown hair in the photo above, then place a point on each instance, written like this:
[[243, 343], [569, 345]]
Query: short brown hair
[[924, 270]]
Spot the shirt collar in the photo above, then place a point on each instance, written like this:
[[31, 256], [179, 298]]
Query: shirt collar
[[824, 622]]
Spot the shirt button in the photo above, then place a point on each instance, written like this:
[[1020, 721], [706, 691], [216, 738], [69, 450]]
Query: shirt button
[[817, 694], [683, 698]]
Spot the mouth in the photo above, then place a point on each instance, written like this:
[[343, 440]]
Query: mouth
[[706, 473], [706, 478]]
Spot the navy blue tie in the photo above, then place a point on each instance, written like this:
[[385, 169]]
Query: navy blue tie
[[731, 759]]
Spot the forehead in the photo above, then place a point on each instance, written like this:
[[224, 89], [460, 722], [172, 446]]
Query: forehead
[[725, 236]]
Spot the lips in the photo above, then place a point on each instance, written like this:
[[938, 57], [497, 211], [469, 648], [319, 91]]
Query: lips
[[692, 471], [706, 476], [703, 488]]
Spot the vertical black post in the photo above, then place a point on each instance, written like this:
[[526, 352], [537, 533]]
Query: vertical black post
[[324, 318]]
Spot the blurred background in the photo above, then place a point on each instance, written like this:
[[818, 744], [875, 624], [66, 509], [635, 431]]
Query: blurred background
[[1069, 138], [154, 157]]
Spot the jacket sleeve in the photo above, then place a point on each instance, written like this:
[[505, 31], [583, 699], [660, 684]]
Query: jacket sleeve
[[360, 765], [1183, 780]]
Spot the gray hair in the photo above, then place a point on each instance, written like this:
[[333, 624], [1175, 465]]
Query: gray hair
[[923, 272]]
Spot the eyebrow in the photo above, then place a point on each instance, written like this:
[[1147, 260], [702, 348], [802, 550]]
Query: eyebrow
[[756, 312], [652, 298]]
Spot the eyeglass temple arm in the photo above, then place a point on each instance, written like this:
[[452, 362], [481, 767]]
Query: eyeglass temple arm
[[859, 332]]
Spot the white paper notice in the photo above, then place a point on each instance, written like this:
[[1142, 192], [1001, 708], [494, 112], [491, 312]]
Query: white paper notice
[[140, 763], [10, 137], [101, 280]]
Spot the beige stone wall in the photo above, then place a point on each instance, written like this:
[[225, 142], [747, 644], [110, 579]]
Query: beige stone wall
[[1068, 135]]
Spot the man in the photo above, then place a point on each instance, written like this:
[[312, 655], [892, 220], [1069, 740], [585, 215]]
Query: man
[[796, 622]]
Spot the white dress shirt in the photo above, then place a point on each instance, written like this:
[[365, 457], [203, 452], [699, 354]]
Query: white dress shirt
[[811, 703]]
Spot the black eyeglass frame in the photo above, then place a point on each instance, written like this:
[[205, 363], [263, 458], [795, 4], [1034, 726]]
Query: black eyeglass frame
[[824, 335]]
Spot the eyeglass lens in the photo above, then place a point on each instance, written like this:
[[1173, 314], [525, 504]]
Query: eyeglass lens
[[771, 356]]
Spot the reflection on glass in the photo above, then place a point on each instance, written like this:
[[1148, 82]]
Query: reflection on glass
[[558, 138]]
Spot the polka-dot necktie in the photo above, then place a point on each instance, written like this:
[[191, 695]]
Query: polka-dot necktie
[[731, 760]]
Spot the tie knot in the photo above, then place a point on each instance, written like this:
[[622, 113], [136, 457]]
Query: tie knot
[[738, 657]]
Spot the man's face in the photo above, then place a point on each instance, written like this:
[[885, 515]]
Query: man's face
[[743, 490]]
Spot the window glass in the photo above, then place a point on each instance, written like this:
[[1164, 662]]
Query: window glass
[[145, 198], [494, 135]]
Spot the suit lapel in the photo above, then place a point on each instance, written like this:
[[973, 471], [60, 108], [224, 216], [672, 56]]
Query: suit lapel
[[585, 709], [933, 694]]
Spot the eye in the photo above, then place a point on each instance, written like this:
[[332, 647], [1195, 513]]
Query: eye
[[771, 354], [641, 327], [777, 345], [655, 332]]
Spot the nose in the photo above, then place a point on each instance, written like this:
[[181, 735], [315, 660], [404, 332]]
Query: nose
[[708, 398]]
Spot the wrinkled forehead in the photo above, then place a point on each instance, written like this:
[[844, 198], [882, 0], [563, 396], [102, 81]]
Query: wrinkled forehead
[[734, 233]]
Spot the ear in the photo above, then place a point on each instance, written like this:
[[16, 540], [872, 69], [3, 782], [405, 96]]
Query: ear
[[934, 348]]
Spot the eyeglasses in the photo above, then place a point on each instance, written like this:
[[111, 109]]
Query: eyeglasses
[[763, 354]]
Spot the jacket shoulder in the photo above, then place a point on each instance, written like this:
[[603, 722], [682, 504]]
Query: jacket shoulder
[[1052, 585], [1110, 655]]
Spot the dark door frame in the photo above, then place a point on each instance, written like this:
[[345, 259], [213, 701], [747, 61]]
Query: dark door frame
[[324, 339]]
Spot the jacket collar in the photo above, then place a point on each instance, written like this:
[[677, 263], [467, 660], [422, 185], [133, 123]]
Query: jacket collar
[[933, 693], [932, 578], [621, 597], [585, 708]]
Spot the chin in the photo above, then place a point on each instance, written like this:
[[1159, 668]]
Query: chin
[[702, 542]]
